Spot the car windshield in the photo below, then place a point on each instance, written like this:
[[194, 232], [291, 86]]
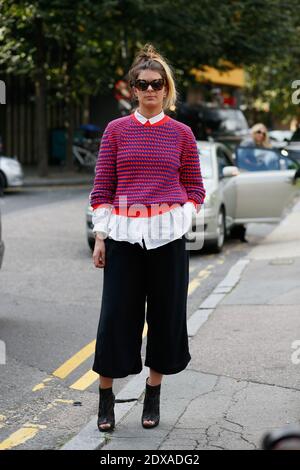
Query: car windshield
[[257, 159], [205, 162]]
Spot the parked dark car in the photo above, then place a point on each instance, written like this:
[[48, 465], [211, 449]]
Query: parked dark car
[[225, 125]]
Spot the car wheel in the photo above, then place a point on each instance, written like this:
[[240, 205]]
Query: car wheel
[[2, 183], [216, 245], [91, 243], [238, 232]]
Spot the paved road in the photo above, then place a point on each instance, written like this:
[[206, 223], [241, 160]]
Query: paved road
[[50, 303]]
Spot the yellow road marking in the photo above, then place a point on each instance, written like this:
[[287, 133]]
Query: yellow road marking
[[41, 385], [19, 437], [60, 400], [71, 364], [53, 404], [195, 283], [85, 381], [57, 400], [28, 430], [38, 387], [90, 376], [37, 426]]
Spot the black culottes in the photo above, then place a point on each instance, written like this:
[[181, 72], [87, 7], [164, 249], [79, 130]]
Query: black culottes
[[133, 278]]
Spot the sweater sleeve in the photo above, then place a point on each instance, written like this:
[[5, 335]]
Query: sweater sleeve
[[105, 180], [190, 170]]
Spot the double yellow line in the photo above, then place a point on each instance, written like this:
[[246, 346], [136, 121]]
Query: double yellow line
[[75, 361]]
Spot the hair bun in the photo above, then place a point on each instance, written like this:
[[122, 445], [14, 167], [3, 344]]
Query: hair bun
[[146, 53]]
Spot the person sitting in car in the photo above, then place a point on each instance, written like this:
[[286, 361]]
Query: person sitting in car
[[259, 137]]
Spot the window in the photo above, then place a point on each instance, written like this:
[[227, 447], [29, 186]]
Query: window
[[205, 161], [257, 159], [223, 160]]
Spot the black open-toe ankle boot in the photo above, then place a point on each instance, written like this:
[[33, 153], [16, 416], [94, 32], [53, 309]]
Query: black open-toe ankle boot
[[106, 414], [151, 405]]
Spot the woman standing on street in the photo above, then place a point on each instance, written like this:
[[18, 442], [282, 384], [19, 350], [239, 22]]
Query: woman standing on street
[[147, 187]]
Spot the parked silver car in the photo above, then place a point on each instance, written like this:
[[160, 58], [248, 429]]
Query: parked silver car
[[11, 173], [257, 188]]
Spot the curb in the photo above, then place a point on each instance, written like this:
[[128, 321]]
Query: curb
[[201, 315], [89, 438]]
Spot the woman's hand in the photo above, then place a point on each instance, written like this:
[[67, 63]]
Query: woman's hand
[[99, 252]]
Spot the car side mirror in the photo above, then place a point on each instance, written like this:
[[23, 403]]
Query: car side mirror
[[229, 171], [296, 175]]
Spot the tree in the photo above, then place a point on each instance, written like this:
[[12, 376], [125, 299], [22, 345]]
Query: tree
[[272, 82]]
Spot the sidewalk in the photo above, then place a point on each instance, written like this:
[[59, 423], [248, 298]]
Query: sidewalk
[[58, 176], [241, 381]]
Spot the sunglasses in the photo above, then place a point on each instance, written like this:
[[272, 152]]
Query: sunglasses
[[156, 85], [260, 132]]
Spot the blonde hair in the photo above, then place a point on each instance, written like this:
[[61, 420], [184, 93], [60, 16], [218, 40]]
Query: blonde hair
[[261, 127], [149, 59]]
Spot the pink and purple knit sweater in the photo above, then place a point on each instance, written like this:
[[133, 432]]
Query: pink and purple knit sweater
[[148, 164]]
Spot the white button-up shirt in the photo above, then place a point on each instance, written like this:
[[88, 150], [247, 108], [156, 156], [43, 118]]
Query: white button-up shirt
[[156, 230]]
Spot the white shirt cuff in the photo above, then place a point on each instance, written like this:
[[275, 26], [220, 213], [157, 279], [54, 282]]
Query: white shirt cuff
[[100, 219], [191, 207]]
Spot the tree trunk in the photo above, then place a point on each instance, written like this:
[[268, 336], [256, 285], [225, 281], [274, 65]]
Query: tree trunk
[[70, 135], [40, 108], [41, 127]]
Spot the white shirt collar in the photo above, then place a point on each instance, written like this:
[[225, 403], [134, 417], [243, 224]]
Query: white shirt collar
[[152, 120]]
